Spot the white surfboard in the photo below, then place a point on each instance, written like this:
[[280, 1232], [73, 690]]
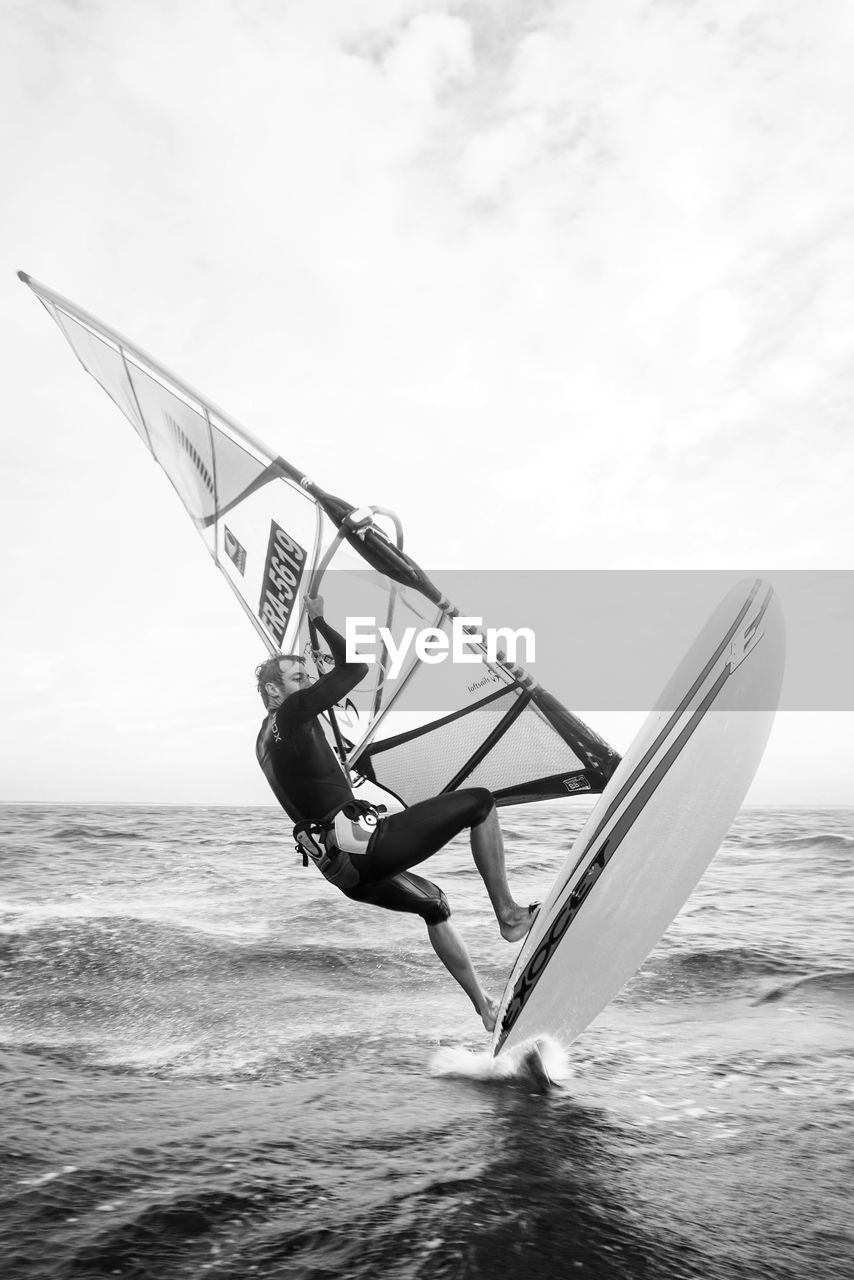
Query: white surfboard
[[655, 828]]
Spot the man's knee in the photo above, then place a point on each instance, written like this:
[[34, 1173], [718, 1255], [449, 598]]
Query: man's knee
[[481, 804], [437, 908]]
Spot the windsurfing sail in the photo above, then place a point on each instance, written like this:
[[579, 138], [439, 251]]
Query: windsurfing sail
[[276, 536]]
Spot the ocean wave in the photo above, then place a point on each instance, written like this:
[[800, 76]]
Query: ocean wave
[[113, 949], [539, 862], [131, 1228], [98, 833], [823, 840], [27, 917], [285, 1051], [726, 962], [185, 1059], [370, 965], [834, 984], [228, 1229], [706, 973], [828, 842]]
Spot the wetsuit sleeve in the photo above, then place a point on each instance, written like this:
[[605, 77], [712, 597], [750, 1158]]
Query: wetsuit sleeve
[[337, 645], [329, 689]]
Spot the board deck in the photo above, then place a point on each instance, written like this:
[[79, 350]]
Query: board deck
[[655, 828]]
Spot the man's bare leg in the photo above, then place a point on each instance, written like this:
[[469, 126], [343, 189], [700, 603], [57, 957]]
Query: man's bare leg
[[452, 951], [487, 846]]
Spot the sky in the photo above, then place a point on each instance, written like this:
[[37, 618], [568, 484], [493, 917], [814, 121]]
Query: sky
[[566, 285]]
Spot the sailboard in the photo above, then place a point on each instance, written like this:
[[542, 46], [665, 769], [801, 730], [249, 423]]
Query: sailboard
[[276, 536], [656, 826]]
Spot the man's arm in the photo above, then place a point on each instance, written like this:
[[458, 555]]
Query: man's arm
[[336, 642], [330, 688]]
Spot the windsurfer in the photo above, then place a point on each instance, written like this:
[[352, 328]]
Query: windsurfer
[[370, 860]]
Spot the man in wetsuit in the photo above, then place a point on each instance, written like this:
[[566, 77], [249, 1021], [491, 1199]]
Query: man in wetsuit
[[310, 784]]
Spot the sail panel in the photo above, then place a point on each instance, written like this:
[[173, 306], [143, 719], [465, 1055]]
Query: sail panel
[[104, 361], [268, 543], [180, 440], [479, 747], [420, 764], [529, 749]]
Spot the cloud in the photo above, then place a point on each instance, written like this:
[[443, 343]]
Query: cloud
[[432, 56]]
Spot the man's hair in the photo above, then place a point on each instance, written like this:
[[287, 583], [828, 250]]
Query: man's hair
[[272, 672]]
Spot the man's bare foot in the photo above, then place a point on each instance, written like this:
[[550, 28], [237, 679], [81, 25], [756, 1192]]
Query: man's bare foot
[[514, 929], [489, 1013]]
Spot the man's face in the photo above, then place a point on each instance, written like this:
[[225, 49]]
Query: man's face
[[294, 675]]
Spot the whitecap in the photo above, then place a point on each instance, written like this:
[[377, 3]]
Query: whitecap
[[540, 1062]]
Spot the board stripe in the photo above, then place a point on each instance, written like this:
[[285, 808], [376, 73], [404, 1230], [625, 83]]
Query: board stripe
[[672, 721]]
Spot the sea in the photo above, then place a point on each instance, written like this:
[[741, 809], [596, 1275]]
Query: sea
[[215, 1065]]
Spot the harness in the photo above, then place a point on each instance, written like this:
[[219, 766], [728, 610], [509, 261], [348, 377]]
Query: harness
[[345, 829]]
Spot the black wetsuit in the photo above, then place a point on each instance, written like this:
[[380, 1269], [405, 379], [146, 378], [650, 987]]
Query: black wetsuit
[[309, 783], [292, 748]]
